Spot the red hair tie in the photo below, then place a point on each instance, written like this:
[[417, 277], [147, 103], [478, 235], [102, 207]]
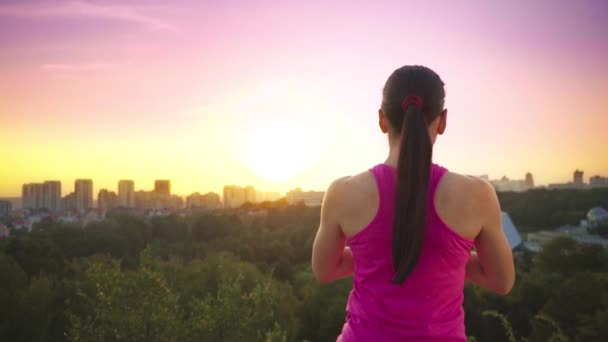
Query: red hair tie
[[415, 100]]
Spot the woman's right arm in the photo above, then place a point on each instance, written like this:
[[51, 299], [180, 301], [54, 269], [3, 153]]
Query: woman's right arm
[[491, 265]]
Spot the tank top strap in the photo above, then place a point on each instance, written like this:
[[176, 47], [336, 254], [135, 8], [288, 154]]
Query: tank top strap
[[437, 172]]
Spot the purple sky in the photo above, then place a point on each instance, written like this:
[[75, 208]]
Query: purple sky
[[164, 89]]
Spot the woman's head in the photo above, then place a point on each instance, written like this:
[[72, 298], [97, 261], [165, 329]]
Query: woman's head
[[412, 114], [412, 80]]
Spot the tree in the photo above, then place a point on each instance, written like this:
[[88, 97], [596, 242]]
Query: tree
[[125, 306]]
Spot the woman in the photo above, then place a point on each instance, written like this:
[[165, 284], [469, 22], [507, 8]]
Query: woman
[[406, 228]]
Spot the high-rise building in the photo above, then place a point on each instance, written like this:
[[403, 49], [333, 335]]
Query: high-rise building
[[577, 178], [259, 196], [174, 202], [32, 196], [45, 195], [598, 182], [209, 200], [309, 198], [162, 187], [235, 196], [126, 193], [26, 196], [107, 200], [6, 208], [143, 199], [83, 189], [505, 184], [266, 196], [51, 195], [68, 202], [529, 180], [272, 196], [250, 194], [515, 185], [38, 195]]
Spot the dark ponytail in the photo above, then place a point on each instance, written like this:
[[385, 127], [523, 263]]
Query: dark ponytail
[[413, 97], [413, 171]]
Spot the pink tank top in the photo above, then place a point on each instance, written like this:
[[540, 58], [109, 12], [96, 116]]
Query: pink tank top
[[428, 305]]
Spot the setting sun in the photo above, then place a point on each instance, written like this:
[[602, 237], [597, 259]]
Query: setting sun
[[278, 151], [288, 132]]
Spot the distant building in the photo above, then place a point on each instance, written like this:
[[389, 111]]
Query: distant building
[[162, 187], [250, 194], [32, 195], [309, 198], [174, 202], [107, 200], [68, 202], [38, 195], [259, 196], [536, 241], [51, 195], [505, 184], [83, 189], [209, 200], [148, 200], [598, 182], [143, 199], [6, 208], [577, 182], [126, 193], [45, 195], [577, 178], [529, 180], [235, 196], [596, 217], [16, 202], [272, 196]]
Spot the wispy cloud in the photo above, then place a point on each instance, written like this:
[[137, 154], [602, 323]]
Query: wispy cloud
[[80, 9], [75, 66]]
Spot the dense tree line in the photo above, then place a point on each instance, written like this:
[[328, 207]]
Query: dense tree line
[[550, 208], [245, 276]]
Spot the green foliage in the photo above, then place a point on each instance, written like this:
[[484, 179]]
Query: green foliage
[[26, 309], [504, 323], [546, 329], [237, 277], [546, 209], [124, 306]]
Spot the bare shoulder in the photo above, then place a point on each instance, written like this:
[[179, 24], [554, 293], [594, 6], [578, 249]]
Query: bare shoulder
[[353, 201], [348, 190], [475, 188], [463, 201]]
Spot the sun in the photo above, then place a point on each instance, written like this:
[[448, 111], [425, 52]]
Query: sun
[[279, 151], [284, 132]]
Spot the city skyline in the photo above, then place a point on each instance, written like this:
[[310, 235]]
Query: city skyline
[[577, 178], [182, 91]]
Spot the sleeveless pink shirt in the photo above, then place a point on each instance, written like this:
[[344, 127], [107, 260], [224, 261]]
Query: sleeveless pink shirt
[[428, 305]]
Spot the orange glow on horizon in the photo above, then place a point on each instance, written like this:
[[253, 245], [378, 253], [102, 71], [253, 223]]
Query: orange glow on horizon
[[288, 97]]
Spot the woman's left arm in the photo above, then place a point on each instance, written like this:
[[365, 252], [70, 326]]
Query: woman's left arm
[[331, 259]]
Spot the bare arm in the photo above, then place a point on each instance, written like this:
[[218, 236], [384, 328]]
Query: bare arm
[[331, 260], [491, 265]]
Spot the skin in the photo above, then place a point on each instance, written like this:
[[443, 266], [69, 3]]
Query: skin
[[467, 204]]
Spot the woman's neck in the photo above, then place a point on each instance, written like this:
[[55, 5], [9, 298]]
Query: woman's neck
[[393, 156]]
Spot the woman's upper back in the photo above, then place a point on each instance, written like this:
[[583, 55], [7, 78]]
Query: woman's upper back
[[431, 297], [455, 198]]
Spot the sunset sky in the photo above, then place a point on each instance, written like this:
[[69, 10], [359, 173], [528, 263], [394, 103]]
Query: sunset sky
[[284, 94]]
